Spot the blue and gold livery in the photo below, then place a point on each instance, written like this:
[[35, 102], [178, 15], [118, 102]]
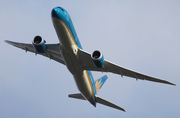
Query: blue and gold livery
[[80, 63], [100, 82], [62, 15]]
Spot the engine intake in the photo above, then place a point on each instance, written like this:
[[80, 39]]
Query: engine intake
[[39, 44], [98, 59]]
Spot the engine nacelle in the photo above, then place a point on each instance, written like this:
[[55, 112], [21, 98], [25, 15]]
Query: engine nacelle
[[39, 44], [98, 59]]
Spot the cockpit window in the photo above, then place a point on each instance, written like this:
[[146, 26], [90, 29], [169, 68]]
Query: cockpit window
[[61, 8]]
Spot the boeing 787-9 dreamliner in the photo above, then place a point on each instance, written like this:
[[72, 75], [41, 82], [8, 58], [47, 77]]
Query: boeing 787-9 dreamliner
[[80, 63]]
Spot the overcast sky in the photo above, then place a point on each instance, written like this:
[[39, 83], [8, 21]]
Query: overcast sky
[[138, 35]]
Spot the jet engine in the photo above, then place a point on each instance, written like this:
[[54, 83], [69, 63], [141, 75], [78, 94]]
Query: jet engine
[[39, 44], [98, 59]]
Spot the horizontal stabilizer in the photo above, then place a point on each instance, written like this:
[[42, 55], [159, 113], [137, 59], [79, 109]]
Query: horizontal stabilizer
[[77, 96], [104, 102], [98, 100]]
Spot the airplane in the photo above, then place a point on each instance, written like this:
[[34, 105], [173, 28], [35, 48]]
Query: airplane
[[80, 63]]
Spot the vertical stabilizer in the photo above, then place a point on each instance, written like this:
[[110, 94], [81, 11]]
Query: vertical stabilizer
[[99, 83]]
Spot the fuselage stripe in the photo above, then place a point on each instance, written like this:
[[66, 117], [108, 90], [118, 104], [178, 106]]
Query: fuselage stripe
[[92, 97]]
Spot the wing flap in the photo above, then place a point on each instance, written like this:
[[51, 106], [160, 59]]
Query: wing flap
[[88, 64], [52, 50]]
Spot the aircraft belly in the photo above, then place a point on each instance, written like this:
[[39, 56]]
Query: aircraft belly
[[69, 52], [80, 75], [63, 33], [83, 85]]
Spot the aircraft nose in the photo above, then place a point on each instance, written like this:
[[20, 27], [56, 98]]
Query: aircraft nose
[[57, 11]]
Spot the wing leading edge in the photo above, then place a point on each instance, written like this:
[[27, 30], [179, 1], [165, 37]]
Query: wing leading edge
[[52, 50], [88, 64]]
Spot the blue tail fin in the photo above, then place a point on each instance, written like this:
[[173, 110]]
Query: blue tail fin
[[99, 83]]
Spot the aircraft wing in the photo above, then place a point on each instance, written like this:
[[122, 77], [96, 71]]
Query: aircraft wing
[[52, 50], [88, 64]]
